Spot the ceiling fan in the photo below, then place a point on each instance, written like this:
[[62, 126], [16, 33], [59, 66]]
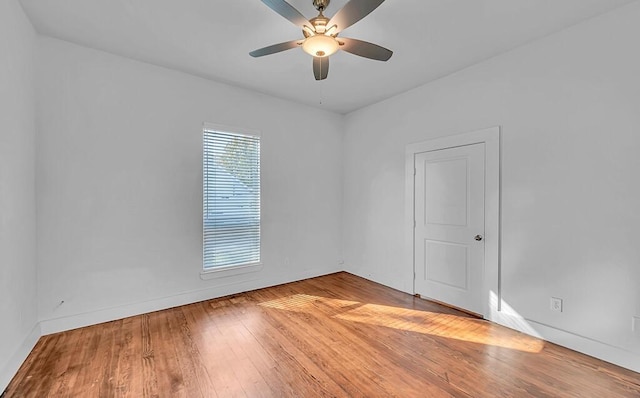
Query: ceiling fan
[[321, 33]]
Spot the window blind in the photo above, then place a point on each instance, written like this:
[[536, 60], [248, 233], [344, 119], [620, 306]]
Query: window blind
[[231, 187]]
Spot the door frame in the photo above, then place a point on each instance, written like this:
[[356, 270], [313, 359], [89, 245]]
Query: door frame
[[491, 289]]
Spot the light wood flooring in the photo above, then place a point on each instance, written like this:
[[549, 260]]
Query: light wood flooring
[[332, 336]]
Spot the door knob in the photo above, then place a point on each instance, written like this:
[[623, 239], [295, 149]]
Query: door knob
[[478, 238]]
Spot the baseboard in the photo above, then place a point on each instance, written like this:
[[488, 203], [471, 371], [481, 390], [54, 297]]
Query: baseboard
[[61, 324], [585, 345], [373, 278], [16, 360]]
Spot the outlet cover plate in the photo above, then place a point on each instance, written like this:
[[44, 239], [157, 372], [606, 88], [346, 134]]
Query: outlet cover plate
[[556, 304]]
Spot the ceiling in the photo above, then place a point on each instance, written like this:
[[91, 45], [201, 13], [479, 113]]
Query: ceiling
[[213, 38]]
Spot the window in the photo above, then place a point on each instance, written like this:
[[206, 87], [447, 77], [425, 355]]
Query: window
[[231, 189]]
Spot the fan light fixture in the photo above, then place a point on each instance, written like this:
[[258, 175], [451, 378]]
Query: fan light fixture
[[320, 45]]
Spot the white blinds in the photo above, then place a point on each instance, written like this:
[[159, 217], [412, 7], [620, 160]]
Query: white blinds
[[231, 217]]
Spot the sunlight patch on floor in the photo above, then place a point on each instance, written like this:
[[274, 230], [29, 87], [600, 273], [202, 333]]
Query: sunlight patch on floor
[[424, 322], [442, 325], [304, 302]]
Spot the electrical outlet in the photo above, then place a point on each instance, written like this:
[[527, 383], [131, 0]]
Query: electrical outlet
[[556, 304]]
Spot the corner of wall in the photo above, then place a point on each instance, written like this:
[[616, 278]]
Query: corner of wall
[[19, 356]]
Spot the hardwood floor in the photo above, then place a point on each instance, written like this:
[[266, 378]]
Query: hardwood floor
[[333, 336]]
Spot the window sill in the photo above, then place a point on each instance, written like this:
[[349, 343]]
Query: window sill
[[223, 272]]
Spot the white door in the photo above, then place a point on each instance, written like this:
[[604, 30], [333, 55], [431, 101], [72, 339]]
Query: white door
[[449, 226]]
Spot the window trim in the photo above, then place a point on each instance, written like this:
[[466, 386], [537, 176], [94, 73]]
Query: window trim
[[237, 269], [232, 270]]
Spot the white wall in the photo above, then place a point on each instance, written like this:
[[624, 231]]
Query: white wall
[[18, 308], [569, 107], [120, 181]]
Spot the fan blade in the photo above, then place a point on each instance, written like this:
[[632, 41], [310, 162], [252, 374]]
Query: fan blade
[[288, 11], [365, 49], [352, 12], [320, 67], [276, 48]]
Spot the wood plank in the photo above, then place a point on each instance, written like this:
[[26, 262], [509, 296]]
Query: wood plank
[[129, 365], [336, 336], [148, 373]]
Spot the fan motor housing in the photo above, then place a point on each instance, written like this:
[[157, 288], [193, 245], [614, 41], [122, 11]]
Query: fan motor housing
[[321, 5]]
